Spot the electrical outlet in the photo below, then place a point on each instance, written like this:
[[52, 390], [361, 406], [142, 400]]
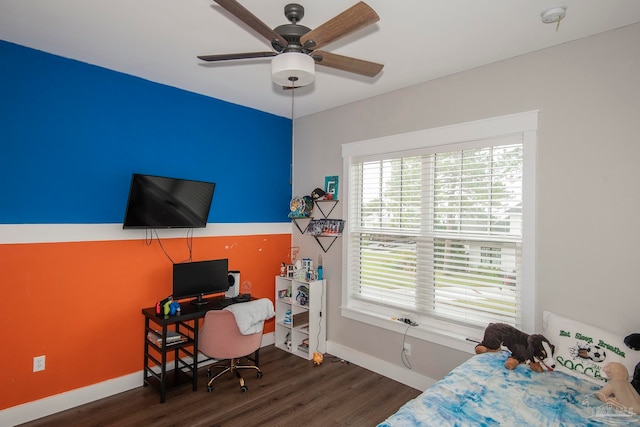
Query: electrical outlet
[[407, 349], [38, 363]]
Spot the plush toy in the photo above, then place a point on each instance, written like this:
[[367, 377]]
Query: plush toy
[[534, 349], [317, 194], [618, 390], [287, 341], [317, 359], [633, 342]]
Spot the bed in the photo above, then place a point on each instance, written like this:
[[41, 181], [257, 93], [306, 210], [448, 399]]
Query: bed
[[482, 392]]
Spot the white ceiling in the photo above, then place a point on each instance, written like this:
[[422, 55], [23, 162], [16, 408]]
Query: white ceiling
[[417, 40]]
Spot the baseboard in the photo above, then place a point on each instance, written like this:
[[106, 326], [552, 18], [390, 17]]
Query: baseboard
[[389, 370], [61, 402], [67, 400]]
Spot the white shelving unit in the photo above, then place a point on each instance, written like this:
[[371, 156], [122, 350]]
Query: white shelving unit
[[306, 322]]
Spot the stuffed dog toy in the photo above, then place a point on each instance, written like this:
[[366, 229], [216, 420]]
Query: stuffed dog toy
[[618, 389], [534, 349]]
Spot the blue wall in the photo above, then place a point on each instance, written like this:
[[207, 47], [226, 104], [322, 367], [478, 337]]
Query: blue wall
[[71, 135]]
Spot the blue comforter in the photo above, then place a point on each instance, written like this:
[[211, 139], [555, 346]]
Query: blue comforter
[[482, 392]]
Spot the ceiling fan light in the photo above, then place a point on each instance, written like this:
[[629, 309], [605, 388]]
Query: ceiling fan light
[[293, 69]]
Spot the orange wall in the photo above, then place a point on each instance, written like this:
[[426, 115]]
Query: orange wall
[[80, 304]]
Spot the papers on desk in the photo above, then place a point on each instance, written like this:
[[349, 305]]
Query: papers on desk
[[173, 337]]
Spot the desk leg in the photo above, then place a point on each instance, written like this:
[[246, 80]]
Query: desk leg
[[146, 353], [194, 372], [163, 367]]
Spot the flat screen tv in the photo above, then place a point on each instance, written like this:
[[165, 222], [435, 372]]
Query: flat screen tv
[[162, 202], [200, 278]]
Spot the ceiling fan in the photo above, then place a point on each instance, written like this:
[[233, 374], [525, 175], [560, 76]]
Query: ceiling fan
[[295, 45]]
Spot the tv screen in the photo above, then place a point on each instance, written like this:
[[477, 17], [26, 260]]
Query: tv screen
[[200, 278], [161, 202]]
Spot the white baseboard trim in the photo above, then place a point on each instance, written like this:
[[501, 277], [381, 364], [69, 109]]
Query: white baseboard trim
[[67, 400], [389, 370], [61, 402]]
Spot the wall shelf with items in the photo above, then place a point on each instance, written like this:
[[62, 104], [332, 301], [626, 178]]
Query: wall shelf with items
[[324, 228], [300, 326], [331, 203]]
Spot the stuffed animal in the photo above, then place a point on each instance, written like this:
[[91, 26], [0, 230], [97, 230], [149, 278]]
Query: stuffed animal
[[534, 349], [317, 359], [633, 342], [624, 395], [287, 341]]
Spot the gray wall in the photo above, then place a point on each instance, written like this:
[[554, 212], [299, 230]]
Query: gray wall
[[588, 94]]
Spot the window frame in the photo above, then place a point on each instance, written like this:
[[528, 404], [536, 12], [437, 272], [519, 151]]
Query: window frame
[[442, 139]]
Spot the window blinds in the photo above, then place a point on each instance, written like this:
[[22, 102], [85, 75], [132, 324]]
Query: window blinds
[[440, 232]]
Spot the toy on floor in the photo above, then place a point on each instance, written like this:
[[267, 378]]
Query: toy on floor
[[633, 342], [533, 349], [317, 359], [618, 389]]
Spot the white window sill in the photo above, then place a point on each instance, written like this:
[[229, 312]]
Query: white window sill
[[432, 331]]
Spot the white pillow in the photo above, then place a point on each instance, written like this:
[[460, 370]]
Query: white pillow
[[583, 350]]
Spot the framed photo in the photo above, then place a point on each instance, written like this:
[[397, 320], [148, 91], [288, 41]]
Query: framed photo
[[331, 186]]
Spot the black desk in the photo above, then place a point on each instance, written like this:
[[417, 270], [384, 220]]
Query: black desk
[[185, 352]]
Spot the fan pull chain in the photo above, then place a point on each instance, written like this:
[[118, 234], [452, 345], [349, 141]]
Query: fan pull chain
[[292, 91]]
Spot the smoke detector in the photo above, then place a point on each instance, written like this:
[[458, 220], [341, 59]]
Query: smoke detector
[[553, 15]]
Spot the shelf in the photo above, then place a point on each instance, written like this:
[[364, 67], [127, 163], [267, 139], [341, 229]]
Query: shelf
[[325, 250], [173, 378], [321, 229], [304, 329], [334, 204], [302, 229], [307, 321], [173, 339]]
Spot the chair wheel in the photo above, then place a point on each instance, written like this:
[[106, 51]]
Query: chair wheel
[[244, 389], [259, 374], [208, 373], [210, 389]]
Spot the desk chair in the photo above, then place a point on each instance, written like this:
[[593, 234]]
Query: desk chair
[[220, 338]]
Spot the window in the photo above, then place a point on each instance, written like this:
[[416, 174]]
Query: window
[[435, 227]]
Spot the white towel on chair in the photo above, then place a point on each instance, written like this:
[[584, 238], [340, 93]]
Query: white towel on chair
[[250, 316]]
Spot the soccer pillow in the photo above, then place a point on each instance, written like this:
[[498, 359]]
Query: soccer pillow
[[583, 350]]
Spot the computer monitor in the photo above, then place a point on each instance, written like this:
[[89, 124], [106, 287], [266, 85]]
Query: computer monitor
[[200, 278]]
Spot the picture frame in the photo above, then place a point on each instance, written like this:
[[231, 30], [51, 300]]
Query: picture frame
[[331, 186]]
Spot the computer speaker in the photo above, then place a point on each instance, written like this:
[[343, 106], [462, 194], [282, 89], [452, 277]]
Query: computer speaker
[[234, 284]]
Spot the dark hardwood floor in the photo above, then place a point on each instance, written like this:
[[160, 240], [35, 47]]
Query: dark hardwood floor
[[292, 392]]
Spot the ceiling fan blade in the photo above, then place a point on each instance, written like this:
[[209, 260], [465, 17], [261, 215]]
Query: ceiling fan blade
[[347, 63], [240, 12], [356, 17], [229, 56]]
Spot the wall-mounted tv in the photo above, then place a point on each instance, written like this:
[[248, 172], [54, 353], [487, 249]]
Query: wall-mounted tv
[[162, 202]]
